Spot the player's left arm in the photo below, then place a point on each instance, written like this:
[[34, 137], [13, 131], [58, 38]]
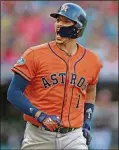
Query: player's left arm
[[90, 102], [91, 95], [88, 111]]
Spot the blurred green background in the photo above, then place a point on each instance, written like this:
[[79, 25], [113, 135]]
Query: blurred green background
[[27, 23]]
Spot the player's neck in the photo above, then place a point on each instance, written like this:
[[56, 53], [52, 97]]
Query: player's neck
[[69, 47]]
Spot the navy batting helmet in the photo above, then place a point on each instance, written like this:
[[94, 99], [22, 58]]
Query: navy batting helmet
[[76, 14]]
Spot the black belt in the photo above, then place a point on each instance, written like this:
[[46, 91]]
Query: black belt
[[64, 130], [59, 129]]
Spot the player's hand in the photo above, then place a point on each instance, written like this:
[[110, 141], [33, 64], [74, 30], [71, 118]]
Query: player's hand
[[50, 122], [86, 134]]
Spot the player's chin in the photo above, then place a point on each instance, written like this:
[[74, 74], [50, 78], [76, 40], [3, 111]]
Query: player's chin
[[59, 41]]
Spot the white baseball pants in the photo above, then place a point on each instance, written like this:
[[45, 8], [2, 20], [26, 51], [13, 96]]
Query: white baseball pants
[[39, 138]]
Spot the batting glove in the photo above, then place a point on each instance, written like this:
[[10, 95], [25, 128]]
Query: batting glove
[[49, 122], [86, 134]]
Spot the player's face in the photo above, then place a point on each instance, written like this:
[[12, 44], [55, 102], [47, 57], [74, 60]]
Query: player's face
[[62, 21]]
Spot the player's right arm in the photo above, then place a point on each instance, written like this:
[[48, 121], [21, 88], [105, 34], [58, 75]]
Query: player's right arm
[[24, 71], [17, 98]]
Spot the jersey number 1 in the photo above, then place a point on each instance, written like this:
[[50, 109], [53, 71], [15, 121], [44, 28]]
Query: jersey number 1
[[77, 106]]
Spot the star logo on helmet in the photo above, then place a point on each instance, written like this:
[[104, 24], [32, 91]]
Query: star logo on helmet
[[64, 8]]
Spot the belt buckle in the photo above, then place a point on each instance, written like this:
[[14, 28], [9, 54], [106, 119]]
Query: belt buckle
[[67, 130]]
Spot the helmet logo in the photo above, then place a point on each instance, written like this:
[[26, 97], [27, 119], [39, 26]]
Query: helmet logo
[[64, 8]]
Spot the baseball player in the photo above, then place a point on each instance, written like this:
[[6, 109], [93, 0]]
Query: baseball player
[[54, 85]]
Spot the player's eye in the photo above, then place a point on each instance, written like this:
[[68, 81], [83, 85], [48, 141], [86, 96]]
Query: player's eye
[[58, 19], [67, 21]]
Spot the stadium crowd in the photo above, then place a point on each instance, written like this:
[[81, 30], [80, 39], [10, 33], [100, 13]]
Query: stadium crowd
[[27, 23]]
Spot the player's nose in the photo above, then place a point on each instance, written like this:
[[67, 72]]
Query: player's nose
[[59, 26]]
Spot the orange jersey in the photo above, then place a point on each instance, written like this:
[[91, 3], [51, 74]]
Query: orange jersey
[[58, 82]]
